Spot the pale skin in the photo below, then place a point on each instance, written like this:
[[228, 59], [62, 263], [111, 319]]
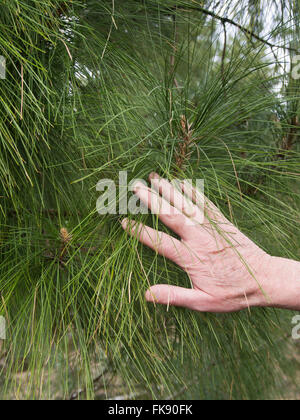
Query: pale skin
[[228, 272]]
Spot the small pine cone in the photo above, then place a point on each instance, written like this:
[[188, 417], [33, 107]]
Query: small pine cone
[[65, 235]]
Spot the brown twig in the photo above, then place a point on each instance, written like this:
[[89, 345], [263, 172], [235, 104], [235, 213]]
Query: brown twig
[[63, 8], [291, 137], [186, 140], [67, 48], [289, 140], [22, 91]]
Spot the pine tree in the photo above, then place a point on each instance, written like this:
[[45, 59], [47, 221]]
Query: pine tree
[[190, 89]]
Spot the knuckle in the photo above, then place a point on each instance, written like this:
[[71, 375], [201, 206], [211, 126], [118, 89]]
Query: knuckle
[[172, 297]]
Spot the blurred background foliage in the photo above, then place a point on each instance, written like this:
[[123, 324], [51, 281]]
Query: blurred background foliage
[[94, 87]]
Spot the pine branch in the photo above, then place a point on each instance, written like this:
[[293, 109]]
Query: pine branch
[[172, 60], [224, 55], [225, 20]]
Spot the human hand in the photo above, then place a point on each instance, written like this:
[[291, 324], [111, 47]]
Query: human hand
[[228, 271]]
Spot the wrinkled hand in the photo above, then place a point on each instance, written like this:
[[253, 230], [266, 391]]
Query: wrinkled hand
[[227, 270]]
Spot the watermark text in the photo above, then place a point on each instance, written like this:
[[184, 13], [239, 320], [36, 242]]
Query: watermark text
[[172, 198], [2, 67], [296, 329], [2, 328]]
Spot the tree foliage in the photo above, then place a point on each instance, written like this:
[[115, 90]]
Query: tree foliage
[[97, 87]]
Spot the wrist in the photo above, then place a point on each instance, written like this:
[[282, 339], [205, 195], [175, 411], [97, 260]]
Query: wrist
[[280, 287]]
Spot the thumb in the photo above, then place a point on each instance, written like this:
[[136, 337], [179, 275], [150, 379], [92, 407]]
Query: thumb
[[179, 296]]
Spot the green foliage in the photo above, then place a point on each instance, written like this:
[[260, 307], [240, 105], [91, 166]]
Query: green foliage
[[97, 87]]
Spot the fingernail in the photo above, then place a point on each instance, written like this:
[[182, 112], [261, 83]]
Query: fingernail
[[137, 185], [153, 175], [150, 297], [124, 223]]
